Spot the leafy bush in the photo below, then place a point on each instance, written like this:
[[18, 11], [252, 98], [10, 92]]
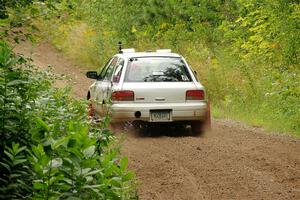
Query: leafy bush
[[16, 177], [49, 148], [19, 89]]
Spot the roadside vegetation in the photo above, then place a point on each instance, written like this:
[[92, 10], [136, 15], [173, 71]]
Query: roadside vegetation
[[49, 147], [246, 52]]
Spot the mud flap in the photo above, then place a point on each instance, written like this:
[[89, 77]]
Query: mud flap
[[207, 123]]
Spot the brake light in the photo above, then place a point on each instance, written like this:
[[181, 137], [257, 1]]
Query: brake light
[[122, 96], [195, 95]]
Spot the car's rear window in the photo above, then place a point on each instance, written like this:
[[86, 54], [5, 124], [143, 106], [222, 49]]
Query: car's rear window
[[157, 69]]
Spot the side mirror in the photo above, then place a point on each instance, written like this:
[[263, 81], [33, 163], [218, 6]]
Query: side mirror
[[92, 74], [195, 73]]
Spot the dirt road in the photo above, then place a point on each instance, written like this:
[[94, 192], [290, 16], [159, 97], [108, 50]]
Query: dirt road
[[233, 161]]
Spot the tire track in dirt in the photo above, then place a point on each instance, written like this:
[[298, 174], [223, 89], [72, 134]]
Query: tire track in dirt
[[234, 161]]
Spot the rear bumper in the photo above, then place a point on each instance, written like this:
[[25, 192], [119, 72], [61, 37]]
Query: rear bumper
[[179, 111]]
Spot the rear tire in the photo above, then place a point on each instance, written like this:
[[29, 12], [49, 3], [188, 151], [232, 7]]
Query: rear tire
[[197, 128]]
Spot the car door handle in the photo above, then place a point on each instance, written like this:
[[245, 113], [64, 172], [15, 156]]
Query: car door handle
[[160, 98]]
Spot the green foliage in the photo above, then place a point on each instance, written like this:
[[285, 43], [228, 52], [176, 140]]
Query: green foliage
[[5, 4], [19, 89], [49, 148], [15, 173]]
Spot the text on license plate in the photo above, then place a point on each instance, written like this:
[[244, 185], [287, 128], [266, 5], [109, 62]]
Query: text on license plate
[[160, 115]]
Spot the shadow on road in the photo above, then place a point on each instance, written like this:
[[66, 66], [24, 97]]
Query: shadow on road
[[163, 131]]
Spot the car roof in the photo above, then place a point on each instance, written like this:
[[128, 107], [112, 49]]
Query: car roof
[[148, 54]]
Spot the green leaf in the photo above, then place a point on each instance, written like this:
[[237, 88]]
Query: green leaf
[[83, 171], [93, 172], [39, 186], [89, 152], [74, 198], [116, 181], [123, 163], [41, 124], [128, 176], [59, 142], [19, 161], [16, 82], [18, 150], [5, 165], [92, 186], [11, 156]]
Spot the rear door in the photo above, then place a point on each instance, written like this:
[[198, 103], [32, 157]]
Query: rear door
[[103, 85]]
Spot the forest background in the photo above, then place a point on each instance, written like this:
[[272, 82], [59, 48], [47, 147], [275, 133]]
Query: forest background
[[246, 52]]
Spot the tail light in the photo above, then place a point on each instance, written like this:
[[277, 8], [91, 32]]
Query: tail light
[[195, 95], [122, 96]]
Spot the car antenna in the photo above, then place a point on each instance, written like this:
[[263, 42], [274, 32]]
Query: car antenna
[[120, 47]]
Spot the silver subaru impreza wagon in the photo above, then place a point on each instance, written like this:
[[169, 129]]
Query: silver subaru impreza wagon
[[149, 88]]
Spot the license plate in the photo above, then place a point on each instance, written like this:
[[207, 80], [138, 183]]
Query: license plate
[[160, 115]]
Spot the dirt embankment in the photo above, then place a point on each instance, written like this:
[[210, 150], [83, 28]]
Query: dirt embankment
[[233, 161]]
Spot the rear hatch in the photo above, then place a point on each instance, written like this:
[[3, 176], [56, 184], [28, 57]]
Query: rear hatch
[[158, 79], [159, 92]]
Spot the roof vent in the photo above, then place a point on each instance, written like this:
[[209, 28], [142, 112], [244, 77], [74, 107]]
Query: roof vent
[[163, 51], [132, 50]]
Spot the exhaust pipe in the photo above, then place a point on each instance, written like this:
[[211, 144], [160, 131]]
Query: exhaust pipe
[[137, 114]]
